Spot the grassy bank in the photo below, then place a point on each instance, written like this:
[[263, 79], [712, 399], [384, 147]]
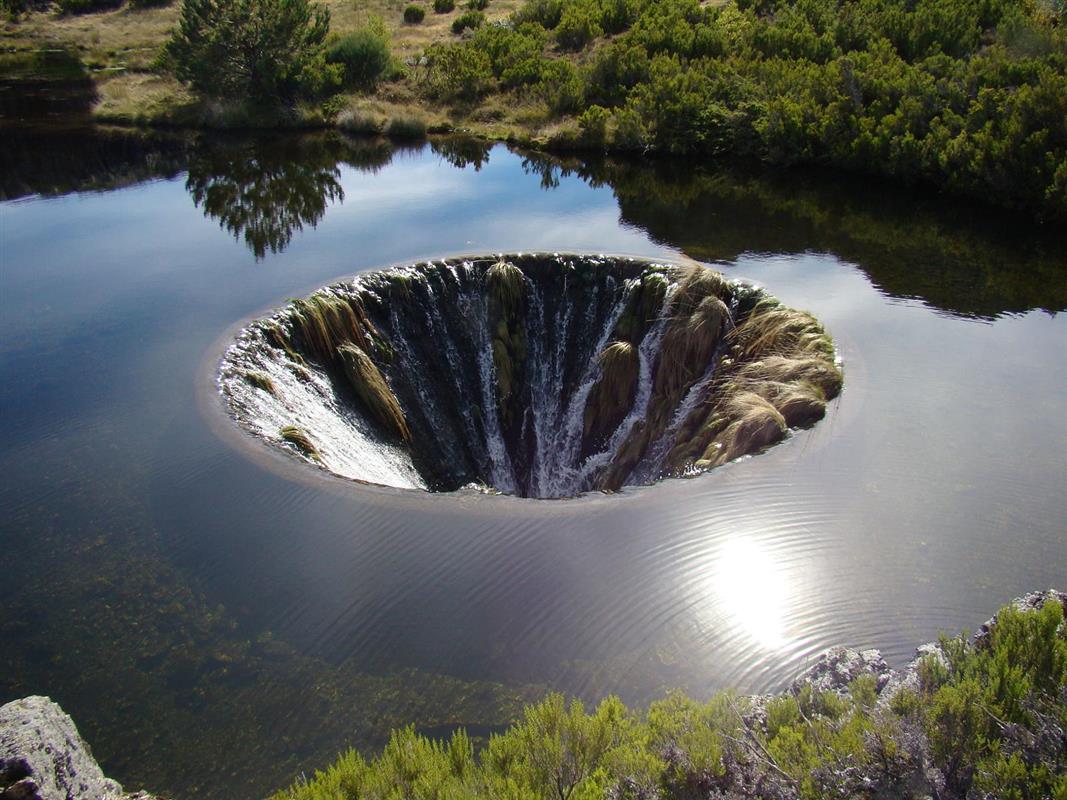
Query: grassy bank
[[969, 96], [975, 718]]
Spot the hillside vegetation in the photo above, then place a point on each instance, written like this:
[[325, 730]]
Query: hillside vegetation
[[967, 95]]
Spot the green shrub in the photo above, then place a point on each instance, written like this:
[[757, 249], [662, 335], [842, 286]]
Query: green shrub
[[363, 55], [618, 15], [444, 6], [578, 26], [594, 125], [13, 8], [477, 5], [546, 13], [560, 88], [265, 50], [514, 53], [457, 72], [468, 19], [414, 14], [988, 723]]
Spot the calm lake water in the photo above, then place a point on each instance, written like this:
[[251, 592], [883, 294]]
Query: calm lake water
[[219, 619]]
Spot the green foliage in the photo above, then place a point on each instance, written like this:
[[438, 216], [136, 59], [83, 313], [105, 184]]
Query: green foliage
[[444, 6], [997, 710], [968, 95], [263, 50], [457, 72], [414, 14], [546, 13], [363, 55], [561, 87], [992, 714], [477, 5], [578, 26], [514, 53], [468, 19]]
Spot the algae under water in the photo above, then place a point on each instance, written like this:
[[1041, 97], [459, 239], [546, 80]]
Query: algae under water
[[216, 625]]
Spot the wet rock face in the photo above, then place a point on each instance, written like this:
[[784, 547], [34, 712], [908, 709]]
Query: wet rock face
[[42, 757], [534, 375]]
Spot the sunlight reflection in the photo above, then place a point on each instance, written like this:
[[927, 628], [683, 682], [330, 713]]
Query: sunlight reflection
[[752, 590]]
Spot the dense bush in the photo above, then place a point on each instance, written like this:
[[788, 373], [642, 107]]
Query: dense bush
[[515, 53], [578, 26], [477, 5], [468, 19], [363, 55], [985, 720], [457, 72], [262, 50], [414, 14], [969, 95], [444, 6]]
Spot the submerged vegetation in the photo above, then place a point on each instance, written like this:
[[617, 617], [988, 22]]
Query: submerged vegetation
[[542, 376], [973, 718]]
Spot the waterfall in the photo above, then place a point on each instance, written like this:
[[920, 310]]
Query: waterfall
[[494, 365]]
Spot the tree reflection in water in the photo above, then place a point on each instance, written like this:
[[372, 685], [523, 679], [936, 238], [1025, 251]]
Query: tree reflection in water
[[265, 190]]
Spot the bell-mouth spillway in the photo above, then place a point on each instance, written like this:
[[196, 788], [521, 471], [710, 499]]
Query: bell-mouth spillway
[[537, 375]]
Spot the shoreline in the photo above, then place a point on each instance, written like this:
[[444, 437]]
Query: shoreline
[[43, 757]]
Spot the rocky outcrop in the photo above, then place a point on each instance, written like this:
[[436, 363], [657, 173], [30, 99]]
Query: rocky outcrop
[[838, 667], [42, 757]]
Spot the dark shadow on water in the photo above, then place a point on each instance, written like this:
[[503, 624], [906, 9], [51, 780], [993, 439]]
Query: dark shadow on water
[[44, 85], [960, 259]]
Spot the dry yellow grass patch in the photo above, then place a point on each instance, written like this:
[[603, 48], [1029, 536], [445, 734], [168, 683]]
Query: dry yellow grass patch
[[125, 38], [119, 48], [140, 95]]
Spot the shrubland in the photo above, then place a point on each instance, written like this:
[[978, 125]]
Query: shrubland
[[968, 96], [982, 718]]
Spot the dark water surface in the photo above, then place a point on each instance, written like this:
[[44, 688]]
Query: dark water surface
[[217, 623]]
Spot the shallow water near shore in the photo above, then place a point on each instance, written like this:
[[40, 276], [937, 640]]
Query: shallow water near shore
[[218, 619]]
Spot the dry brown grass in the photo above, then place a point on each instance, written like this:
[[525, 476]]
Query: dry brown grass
[[119, 48], [131, 38], [326, 322], [408, 40], [123, 39], [612, 396], [371, 387], [751, 424], [301, 441]]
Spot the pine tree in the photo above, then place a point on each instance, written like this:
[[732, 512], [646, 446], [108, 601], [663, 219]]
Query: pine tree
[[262, 50]]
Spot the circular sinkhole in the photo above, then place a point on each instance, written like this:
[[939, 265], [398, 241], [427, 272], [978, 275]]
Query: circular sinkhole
[[534, 375]]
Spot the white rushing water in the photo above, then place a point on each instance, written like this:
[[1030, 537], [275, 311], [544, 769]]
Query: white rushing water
[[434, 329]]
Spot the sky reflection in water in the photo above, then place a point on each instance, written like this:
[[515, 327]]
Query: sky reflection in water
[[224, 613]]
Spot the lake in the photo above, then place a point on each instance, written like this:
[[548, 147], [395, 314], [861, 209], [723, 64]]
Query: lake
[[219, 618]]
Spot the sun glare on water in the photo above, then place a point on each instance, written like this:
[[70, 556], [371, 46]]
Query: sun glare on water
[[752, 590]]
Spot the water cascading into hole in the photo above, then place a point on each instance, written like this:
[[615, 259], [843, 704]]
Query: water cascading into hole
[[536, 375]]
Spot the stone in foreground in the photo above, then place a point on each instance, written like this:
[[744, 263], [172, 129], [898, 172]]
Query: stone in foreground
[[43, 757]]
